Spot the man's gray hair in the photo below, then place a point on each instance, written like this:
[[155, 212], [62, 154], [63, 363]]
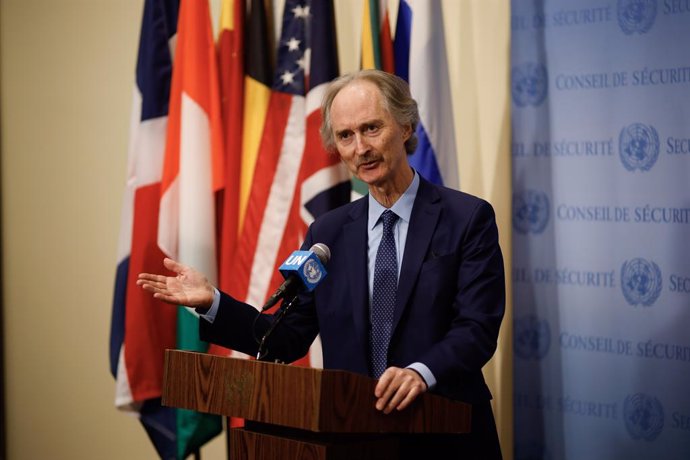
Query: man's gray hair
[[397, 100]]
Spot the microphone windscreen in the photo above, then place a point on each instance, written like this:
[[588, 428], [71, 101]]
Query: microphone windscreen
[[322, 252]]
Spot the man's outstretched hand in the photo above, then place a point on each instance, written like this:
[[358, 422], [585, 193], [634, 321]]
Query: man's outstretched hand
[[189, 288]]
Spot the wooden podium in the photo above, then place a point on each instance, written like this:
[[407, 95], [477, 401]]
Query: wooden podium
[[294, 412]]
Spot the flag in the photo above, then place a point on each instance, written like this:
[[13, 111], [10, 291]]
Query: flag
[[377, 42], [142, 327], [245, 81], [257, 78], [296, 180], [257, 81], [231, 80], [192, 173], [420, 39], [231, 66]]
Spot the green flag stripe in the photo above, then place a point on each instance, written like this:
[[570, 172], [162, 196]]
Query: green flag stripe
[[194, 429]]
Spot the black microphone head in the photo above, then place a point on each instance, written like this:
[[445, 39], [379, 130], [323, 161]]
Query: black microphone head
[[322, 252]]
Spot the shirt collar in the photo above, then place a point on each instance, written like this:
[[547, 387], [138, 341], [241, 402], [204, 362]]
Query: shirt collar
[[402, 207]]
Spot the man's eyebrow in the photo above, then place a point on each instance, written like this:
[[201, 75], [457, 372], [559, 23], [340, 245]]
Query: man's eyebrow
[[367, 123], [374, 121], [364, 124]]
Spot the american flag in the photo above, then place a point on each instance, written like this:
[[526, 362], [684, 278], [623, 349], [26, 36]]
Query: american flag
[[295, 179]]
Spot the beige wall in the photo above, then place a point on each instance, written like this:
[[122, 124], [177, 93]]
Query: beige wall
[[66, 75], [67, 71]]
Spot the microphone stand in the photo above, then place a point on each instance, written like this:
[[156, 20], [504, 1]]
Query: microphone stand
[[261, 353]]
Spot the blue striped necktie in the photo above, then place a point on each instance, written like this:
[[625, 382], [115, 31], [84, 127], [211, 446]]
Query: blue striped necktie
[[383, 299]]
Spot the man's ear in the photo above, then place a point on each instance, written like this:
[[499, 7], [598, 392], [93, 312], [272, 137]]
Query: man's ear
[[407, 132]]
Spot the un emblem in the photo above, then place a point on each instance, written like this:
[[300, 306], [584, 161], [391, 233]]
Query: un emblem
[[644, 416], [532, 337], [636, 16], [641, 282], [530, 211], [311, 271], [529, 84], [638, 146]]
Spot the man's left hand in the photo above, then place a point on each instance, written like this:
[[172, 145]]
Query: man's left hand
[[397, 388]]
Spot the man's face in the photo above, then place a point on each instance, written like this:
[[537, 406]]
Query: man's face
[[368, 139]]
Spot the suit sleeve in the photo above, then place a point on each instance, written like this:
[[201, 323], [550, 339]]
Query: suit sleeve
[[476, 307], [240, 327]]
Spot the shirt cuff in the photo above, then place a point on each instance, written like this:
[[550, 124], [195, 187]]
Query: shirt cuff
[[210, 313], [426, 374]]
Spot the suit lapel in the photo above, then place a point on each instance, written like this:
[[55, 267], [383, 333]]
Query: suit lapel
[[423, 220], [356, 241]]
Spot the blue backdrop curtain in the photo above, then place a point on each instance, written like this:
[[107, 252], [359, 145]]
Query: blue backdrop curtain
[[601, 224]]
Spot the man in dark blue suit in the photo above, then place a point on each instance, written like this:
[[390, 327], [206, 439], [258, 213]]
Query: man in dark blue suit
[[415, 293]]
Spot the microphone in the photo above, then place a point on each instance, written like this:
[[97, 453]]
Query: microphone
[[303, 271]]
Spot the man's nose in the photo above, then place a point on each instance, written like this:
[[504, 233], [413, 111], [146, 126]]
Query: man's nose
[[361, 144]]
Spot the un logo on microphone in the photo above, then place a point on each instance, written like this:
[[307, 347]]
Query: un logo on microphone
[[638, 146], [532, 337], [644, 416], [312, 272], [636, 16], [640, 282], [530, 211], [529, 83]]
